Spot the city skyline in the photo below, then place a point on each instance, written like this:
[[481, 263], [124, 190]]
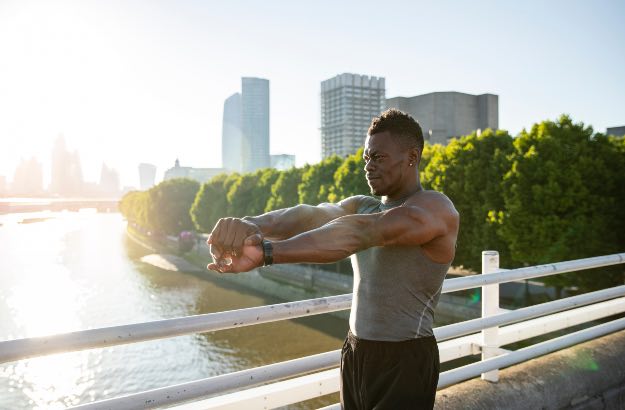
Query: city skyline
[[145, 82]]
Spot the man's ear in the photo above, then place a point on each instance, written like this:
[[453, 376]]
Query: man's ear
[[415, 156]]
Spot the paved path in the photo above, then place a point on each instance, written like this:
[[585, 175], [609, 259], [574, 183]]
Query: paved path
[[171, 263]]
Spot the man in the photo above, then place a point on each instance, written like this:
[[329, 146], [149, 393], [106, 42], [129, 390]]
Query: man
[[401, 247]]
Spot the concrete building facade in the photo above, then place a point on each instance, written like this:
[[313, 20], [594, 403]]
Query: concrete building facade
[[254, 123], [199, 174], [231, 134], [617, 131], [348, 103], [445, 115]]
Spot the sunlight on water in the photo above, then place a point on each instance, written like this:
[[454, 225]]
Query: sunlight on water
[[66, 271]]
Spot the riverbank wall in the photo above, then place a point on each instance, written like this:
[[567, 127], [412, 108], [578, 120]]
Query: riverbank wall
[[291, 282]]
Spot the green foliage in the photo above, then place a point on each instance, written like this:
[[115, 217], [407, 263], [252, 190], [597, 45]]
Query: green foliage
[[211, 203], [469, 171], [554, 193], [262, 192], [136, 208], [171, 202], [284, 190], [241, 194], [349, 179], [317, 180], [563, 199]]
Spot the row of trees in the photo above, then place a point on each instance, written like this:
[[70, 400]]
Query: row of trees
[[554, 192]]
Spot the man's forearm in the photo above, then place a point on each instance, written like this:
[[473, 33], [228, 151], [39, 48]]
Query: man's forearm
[[288, 222], [331, 242]]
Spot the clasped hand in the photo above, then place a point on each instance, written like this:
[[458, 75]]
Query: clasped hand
[[235, 245]]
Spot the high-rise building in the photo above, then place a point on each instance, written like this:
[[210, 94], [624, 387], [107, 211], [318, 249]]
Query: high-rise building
[[445, 115], [348, 103], [254, 123], [147, 175], [231, 134], [28, 179], [3, 185], [109, 181], [66, 171]]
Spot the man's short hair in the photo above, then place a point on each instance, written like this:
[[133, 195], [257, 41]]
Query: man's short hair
[[401, 126]]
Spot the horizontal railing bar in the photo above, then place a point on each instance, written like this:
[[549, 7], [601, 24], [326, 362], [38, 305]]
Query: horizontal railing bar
[[472, 370], [116, 335], [474, 325], [225, 387], [138, 332], [219, 384], [502, 276]]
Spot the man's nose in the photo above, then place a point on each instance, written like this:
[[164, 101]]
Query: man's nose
[[369, 166]]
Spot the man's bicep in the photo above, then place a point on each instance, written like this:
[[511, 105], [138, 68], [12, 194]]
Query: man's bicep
[[331, 211]]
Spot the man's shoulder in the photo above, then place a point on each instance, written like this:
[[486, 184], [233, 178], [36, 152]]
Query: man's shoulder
[[435, 202]]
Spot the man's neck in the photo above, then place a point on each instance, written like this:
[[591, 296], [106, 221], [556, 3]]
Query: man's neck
[[402, 196]]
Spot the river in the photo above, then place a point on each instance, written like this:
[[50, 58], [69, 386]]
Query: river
[[68, 271]]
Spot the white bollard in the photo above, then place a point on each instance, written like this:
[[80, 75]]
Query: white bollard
[[490, 307]]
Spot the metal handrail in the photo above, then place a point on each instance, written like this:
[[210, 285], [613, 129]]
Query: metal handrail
[[116, 335], [158, 329], [93, 338], [475, 325], [219, 384]]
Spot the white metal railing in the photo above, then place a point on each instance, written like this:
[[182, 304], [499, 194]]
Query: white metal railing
[[455, 341]]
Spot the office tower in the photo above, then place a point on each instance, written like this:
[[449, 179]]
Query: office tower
[[445, 115], [66, 171], [348, 103], [147, 175], [231, 136], [109, 181], [28, 178], [255, 123]]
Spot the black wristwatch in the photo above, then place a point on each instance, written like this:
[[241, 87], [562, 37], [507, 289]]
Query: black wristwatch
[[267, 252]]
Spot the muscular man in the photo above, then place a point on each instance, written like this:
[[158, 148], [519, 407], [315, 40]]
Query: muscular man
[[401, 248]]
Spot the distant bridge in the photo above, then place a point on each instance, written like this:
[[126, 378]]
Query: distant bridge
[[18, 205]]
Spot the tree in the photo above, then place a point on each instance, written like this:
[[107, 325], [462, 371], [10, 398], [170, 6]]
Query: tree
[[171, 202], [210, 204], [317, 180], [562, 198], [349, 178], [284, 190], [241, 194], [262, 192], [469, 171]]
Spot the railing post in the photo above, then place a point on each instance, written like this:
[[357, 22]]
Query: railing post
[[490, 307]]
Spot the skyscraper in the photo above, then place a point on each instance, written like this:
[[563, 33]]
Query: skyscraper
[[254, 123], [444, 115], [66, 171], [348, 103], [231, 135]]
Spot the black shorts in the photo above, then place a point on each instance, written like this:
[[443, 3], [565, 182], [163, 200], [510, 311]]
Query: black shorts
[[389, 375]]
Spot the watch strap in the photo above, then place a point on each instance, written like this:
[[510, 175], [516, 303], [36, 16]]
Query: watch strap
[[267, 252]]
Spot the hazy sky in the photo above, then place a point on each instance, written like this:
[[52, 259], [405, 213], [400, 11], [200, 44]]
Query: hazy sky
[[144, 81]]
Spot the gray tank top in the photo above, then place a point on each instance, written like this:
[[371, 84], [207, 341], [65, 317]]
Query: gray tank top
[[396, 288]]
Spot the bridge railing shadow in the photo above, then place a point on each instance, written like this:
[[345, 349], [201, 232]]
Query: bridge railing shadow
[[292, 381]]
